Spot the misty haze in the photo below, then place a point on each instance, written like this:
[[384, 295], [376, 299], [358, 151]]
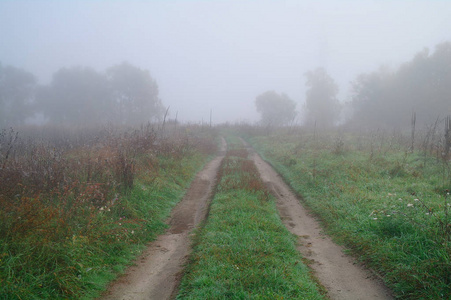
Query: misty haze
[[220, 55], [228, 149]]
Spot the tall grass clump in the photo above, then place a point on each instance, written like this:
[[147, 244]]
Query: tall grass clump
[[77, 205], [389, 204], [244, 251]]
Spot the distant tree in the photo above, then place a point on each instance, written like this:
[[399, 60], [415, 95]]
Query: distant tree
[[76, 95], [135, 94], [16, 95], [422, 85], [373, 99], [275, 109], [321, 103]]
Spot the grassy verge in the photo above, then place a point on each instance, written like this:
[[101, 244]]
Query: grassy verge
[[69, 239], [244, 251], [391, 207]]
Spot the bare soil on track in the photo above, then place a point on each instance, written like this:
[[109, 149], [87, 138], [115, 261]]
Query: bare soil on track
[[340, 274], [156, 273]]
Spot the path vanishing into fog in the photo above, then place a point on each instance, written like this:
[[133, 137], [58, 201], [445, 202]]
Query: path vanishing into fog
[[157, 273]]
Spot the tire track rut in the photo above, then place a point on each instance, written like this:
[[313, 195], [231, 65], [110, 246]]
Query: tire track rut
[[157, 272], [340, 274]]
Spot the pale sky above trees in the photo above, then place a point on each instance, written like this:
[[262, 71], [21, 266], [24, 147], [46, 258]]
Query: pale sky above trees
[[220, 55]]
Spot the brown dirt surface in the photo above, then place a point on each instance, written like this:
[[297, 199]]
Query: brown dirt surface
[[156, 273], [340, 274]]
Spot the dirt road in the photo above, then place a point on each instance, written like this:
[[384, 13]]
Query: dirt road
[[338, 273], [157, 272]]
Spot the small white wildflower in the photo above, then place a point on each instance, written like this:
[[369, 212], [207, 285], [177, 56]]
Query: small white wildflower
[[374, 218], [400, 199], [133, 232], [427, 214], [409, 205], [101, 208], [120, 224], [388, 215], [416, 199]]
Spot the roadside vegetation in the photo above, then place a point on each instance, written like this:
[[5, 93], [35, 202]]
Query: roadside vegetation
[[244, 251], [382, 195], [76, 206]]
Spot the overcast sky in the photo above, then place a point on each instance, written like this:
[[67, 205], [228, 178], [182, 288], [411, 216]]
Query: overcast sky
[[220, 55]]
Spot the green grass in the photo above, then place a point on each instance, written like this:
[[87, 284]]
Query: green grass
[[55, 261], [244, 251], [377, 204]]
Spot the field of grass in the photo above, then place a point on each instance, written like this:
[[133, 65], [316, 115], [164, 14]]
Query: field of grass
[[390, 206], [244, 251], [77, 206]]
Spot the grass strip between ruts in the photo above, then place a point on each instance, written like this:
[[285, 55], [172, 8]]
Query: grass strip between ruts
[[244, 251]]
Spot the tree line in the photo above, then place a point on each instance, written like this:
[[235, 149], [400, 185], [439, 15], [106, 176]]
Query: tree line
[[123, 94], [421, 85], [383, 98]]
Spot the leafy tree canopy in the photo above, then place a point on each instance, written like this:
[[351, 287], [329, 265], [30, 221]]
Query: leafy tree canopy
[[275, 109], [135, 94], [422, 85], [321, 103], [16, 95], [76, 95], [124, 94]]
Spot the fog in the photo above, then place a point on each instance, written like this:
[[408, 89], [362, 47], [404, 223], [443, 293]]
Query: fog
[[220, 55]]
